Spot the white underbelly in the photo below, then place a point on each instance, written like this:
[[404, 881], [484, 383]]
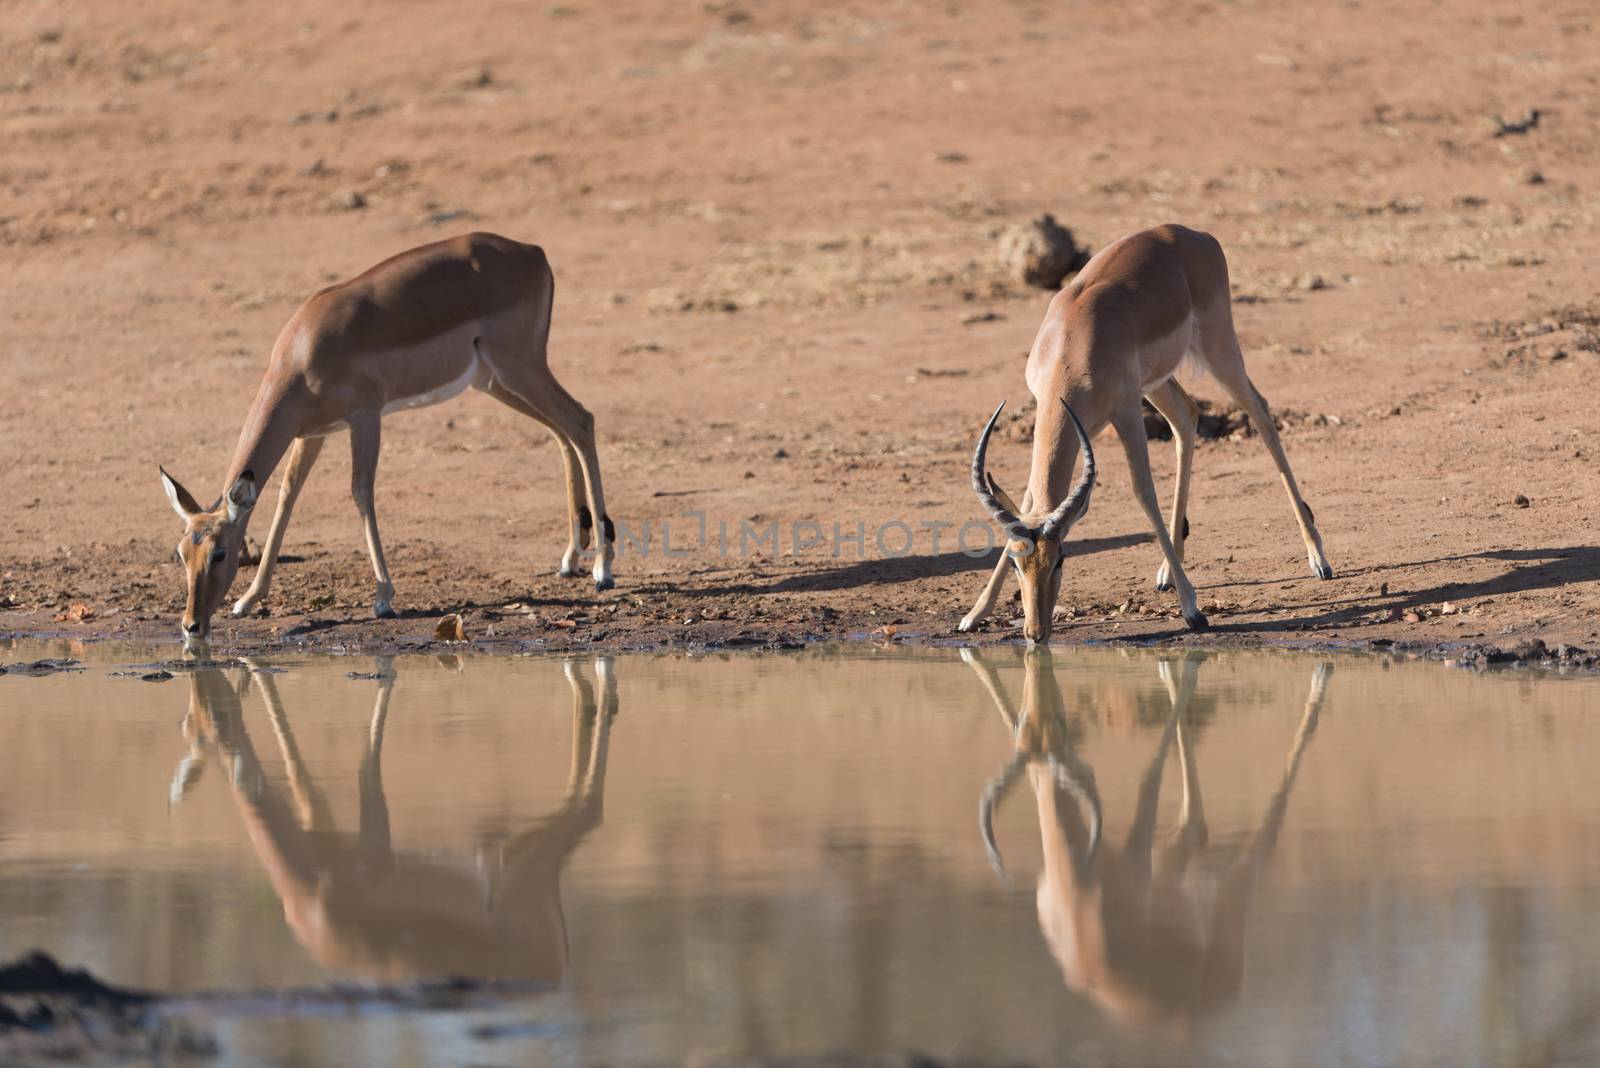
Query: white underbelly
[[476, 375]]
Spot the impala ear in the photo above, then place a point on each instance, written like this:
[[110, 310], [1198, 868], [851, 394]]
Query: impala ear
[[182, 500], [1005, 498], [241, 496]]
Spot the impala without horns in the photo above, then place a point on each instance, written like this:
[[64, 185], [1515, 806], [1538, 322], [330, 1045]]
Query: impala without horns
[[417, 329], [1117, 333]]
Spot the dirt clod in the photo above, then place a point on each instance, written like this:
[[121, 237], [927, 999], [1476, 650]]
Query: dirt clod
[[1040, 253]]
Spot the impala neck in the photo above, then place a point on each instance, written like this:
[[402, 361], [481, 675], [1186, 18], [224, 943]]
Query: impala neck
[[269, 429], [1055, 457]]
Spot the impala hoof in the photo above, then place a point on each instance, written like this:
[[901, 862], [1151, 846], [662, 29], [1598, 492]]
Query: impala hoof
[[1197, 621], [569, 572], [607, 583], [384, 611], [1324, 571], [967, 626]]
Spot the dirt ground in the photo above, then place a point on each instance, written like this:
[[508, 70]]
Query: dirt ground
[[774, 228]]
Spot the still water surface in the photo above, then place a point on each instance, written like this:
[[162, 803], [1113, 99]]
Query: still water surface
[[1241, 859]]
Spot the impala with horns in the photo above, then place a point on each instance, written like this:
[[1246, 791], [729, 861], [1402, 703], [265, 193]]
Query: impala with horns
[[417, 329], [1117, 333], [1151, 934]]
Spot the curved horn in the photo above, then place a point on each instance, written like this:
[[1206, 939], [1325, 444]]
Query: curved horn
[[980, 484], [992, 795], [1071, 510]]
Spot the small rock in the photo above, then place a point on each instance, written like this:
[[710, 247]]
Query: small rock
[[475, 78], [352, 201], [1520, 501], [781, 454]]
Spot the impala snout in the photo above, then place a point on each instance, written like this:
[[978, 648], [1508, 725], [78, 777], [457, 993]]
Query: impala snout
[[1039, 575]]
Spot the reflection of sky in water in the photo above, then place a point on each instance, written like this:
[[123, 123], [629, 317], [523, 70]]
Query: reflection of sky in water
[[789, 860]]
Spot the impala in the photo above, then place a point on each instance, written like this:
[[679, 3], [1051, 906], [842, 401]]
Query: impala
[[415, 330], [1117, 333], [1149, 934], [362, 908]]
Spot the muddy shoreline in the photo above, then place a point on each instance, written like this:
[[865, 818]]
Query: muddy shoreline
[[494, 634]]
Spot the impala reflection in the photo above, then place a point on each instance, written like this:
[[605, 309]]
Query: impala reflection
[[359, 906], [1151, 933]]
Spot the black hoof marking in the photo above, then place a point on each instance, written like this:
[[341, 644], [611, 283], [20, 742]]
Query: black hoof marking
[[1325, 572], [568, 573], [604, 584], [1198, 621], [386, 613], [1163, 586]]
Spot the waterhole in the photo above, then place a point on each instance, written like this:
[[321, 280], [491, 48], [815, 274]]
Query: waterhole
[[1086, 857]]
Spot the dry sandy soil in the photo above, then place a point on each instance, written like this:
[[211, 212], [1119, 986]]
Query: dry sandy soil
[[774, 229]]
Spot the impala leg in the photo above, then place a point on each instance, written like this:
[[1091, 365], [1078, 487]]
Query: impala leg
[[583, 717], [301, 459], [537, 387], [1183, 415], [1130, 428], [374, 819], [997, 581], [579, 522], [1238, 885], [1136, 854], [991, 594], [1227, 364], [310, 805], [1192, 833], [991, 682], [364, 440]]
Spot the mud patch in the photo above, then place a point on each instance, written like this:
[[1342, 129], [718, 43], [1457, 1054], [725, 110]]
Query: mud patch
[[51, 1012], [38, 668]]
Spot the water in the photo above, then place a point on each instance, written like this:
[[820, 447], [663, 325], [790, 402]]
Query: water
[[709, 857]]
